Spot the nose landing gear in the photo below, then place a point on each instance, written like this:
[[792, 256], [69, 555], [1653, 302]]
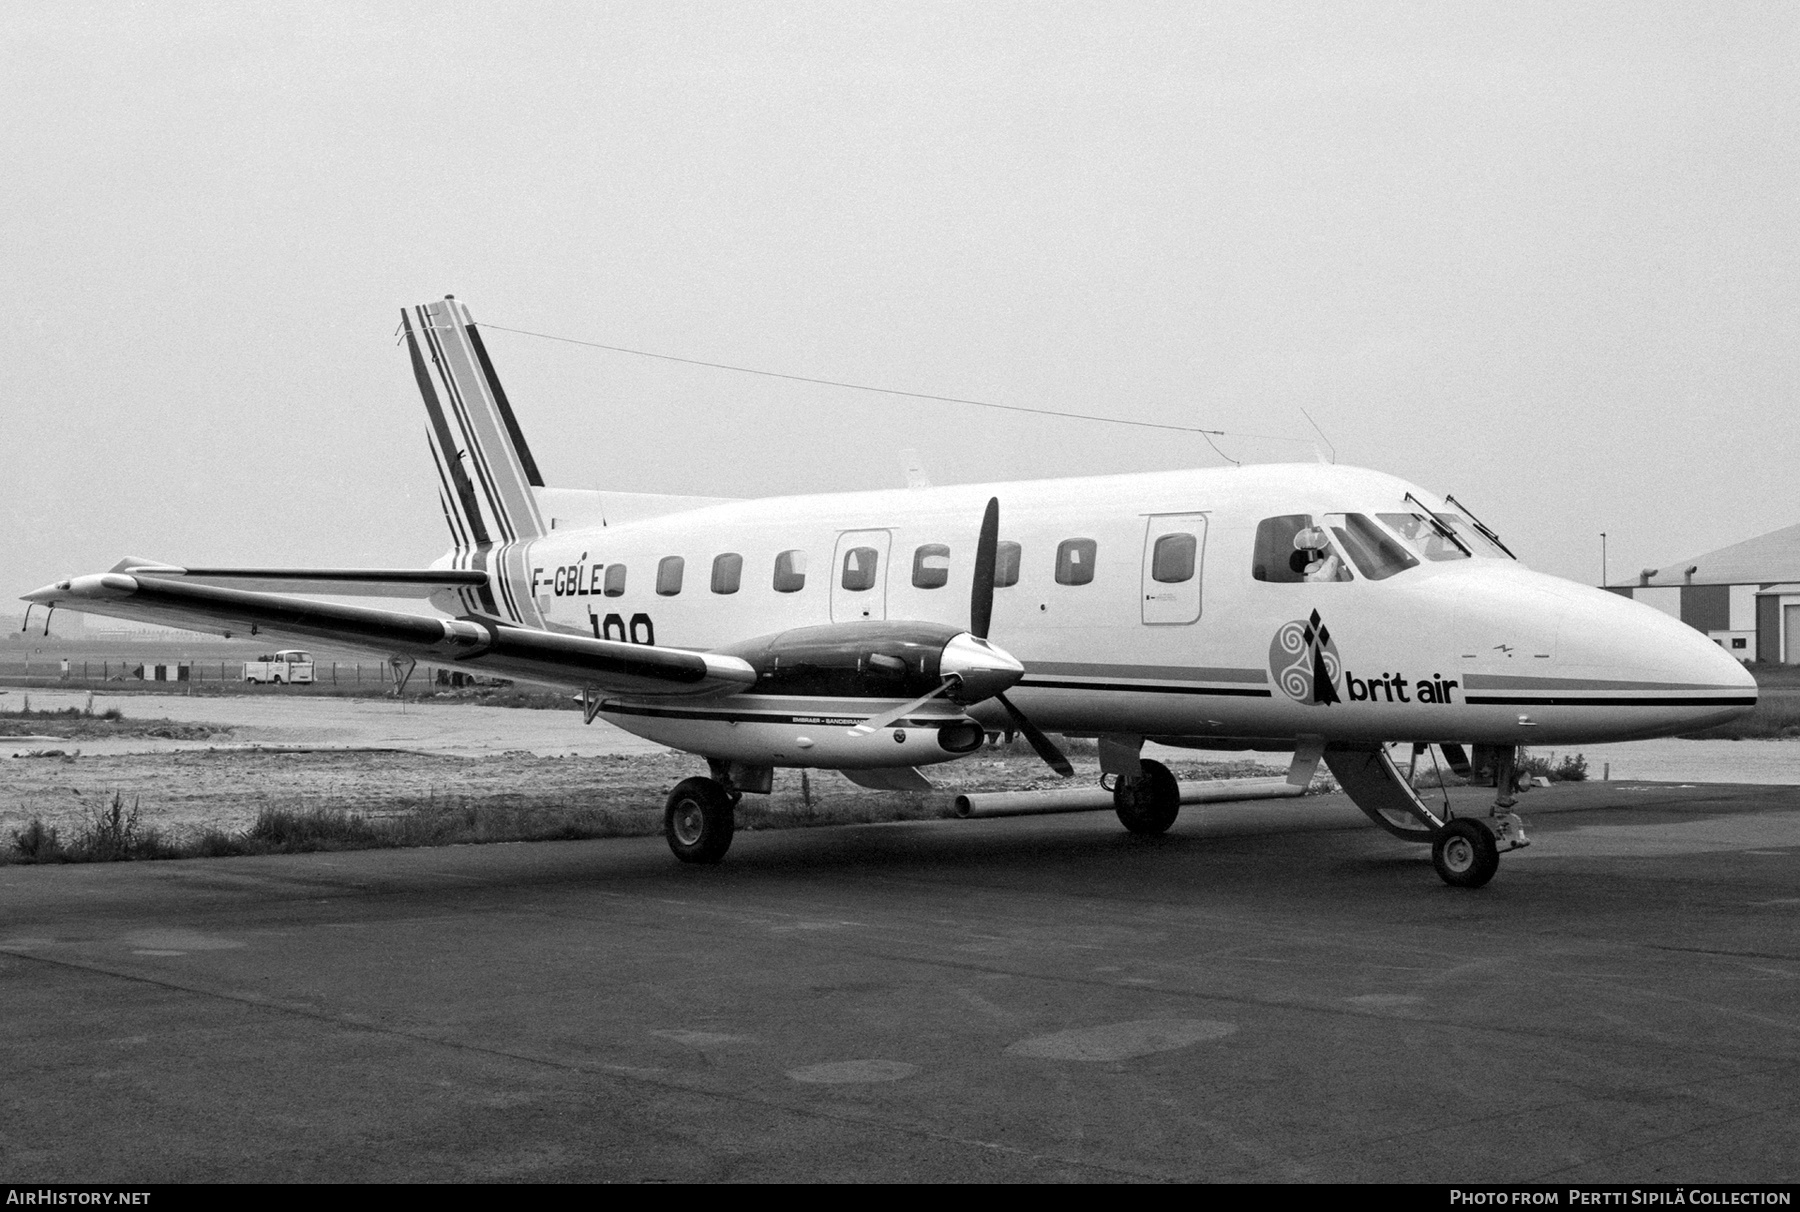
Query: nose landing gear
[[1465, 853], [1465, 850]]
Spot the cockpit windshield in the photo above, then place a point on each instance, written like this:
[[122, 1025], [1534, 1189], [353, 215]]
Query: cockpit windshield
[[1375, 552], [1423, 535], [1300, 547], [1473, 536]]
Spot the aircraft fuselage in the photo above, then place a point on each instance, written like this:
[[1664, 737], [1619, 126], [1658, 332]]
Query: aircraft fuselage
[[1474, 649]]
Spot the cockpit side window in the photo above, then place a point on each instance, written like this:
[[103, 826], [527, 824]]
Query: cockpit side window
[[1274, 544], [1290, 549], [1376, 553]]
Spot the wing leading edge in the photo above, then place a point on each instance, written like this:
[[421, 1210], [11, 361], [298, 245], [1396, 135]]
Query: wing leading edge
[[608, 665], [348, 582]]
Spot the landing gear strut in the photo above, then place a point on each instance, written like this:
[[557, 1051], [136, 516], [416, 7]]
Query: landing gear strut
[[699, 820], [1465, 850], [1148, 804]]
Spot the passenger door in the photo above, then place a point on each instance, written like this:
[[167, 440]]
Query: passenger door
[[859, 571], [1174, 550]]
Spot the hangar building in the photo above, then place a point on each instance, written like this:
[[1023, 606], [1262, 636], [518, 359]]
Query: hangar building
[[1746, 596]]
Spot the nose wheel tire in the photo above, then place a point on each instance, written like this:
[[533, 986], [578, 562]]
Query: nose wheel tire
[[1149, 804], [1465, 854], [699, 820]]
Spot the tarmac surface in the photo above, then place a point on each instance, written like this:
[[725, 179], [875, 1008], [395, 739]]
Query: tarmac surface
[[1271, 992]]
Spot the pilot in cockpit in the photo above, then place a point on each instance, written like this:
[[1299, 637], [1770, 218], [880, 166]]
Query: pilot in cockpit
[[1314, 559]]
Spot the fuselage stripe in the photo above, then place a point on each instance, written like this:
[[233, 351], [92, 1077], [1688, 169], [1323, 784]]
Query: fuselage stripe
[[1559, 700], [1242, 692]]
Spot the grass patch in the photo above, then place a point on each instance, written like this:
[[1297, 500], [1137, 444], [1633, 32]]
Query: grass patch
[[1774, 718], [1566, 768], [84, 723], [109, 833], [355, 801]]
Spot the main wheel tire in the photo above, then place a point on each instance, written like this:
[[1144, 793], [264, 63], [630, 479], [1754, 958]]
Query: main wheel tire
[[1149, 804], [699, 821], [1465, 854]]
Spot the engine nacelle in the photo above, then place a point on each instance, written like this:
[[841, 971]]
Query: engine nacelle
[[849, 660], [816, 685]]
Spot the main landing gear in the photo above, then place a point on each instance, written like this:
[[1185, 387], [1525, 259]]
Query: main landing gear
[[700, 816], [1148, 804], [700, 819]]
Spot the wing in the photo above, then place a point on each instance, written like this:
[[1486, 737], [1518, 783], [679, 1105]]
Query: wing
[[348, 582], [149, 594]]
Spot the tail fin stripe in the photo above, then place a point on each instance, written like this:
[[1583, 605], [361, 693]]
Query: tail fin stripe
[[532, 475], [504, 477], [473, 452], [456, 480]]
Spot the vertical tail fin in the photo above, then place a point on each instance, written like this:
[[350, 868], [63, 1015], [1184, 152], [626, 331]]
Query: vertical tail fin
[[485, 470]]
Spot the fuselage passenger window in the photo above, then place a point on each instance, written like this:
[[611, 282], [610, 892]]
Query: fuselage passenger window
[[790, 572], [1075, 561], [859, 568], [1006, 564], [931, 566], [615, 581], [668, 575], [1172, 559], [728, 571]]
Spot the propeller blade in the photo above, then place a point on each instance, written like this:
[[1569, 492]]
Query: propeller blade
[[1046, 749], [877, 723], [1457, 759], [981, 597]]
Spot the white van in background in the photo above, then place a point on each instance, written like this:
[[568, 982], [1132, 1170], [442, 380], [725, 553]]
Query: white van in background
[[290, 665]]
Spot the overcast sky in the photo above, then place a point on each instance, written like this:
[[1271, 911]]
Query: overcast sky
[[1540, 256]]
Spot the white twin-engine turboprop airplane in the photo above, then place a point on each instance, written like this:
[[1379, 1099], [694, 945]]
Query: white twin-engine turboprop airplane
[[1319, 609]]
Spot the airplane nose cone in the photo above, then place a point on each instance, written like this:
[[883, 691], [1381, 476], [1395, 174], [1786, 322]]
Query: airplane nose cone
[[1607, 628], [984, 669], [1607, 635]]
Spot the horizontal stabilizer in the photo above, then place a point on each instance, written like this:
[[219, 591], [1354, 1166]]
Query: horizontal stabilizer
[[609, 666]]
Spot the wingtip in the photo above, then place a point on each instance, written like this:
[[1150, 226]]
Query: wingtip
[[97, 585]]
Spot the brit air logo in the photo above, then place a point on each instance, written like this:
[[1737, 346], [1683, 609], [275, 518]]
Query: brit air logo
[[1307, 668], [1305, 662]]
